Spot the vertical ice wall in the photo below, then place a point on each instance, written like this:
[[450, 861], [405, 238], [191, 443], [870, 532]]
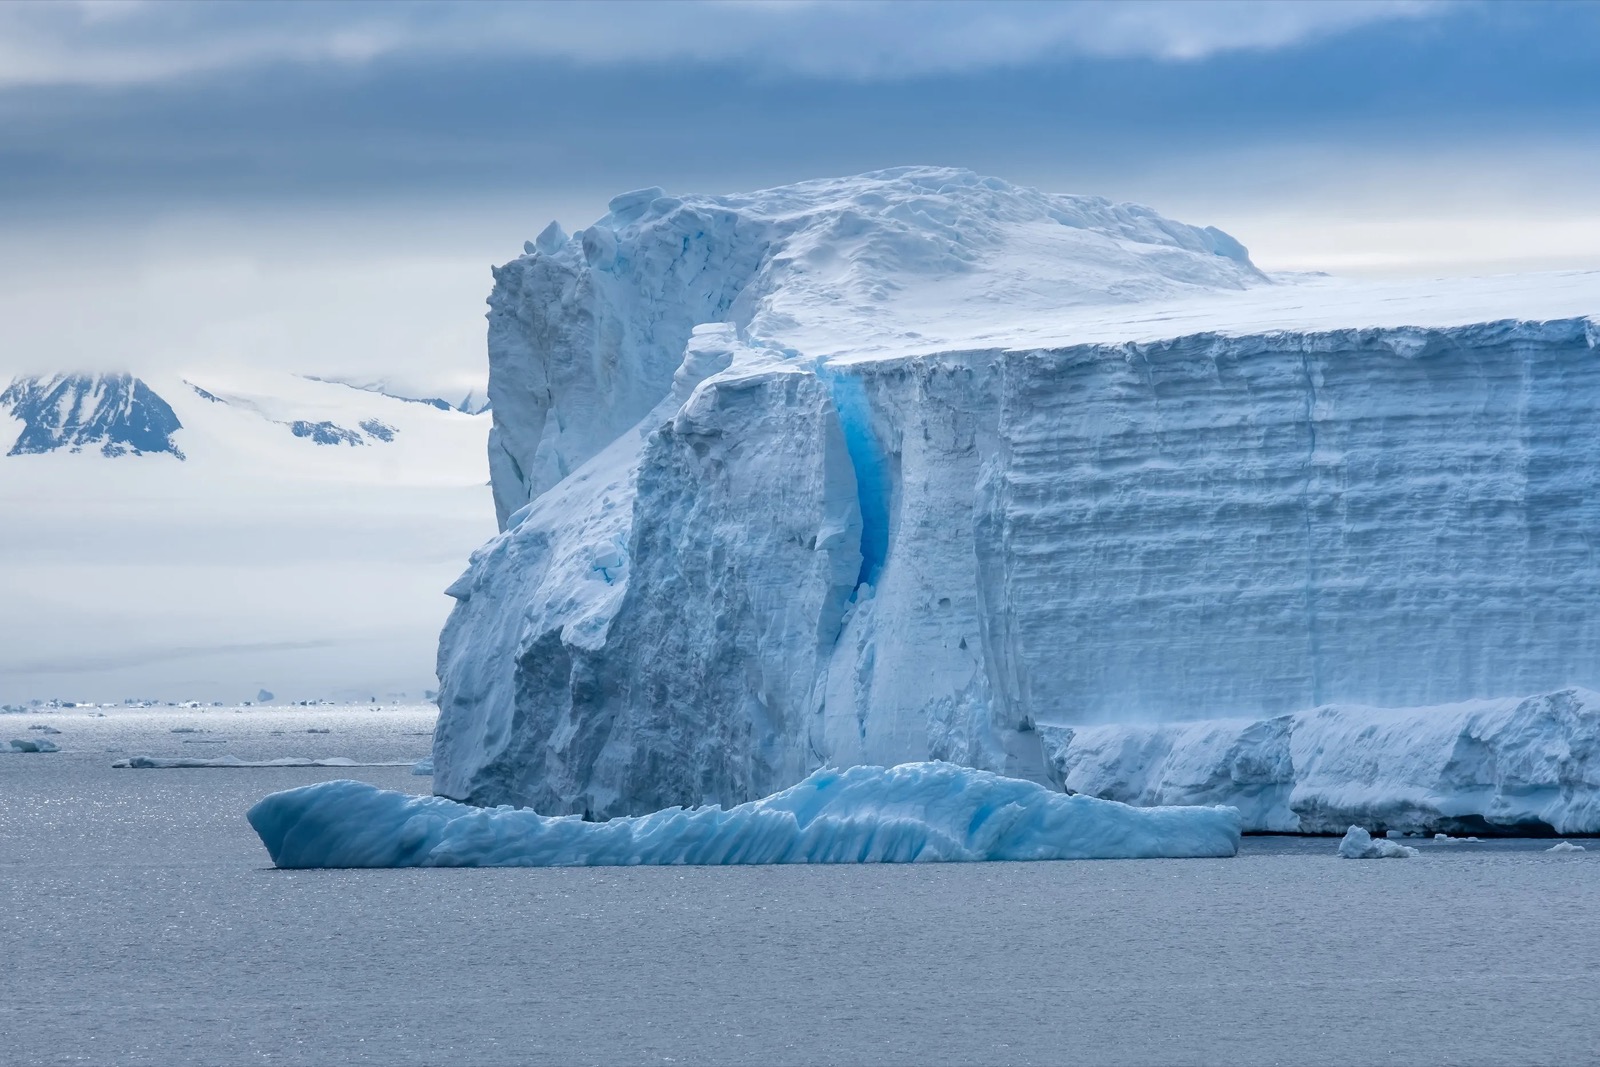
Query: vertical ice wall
[[1218, 526]]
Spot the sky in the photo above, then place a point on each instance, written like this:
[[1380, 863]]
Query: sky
[[323, 187]]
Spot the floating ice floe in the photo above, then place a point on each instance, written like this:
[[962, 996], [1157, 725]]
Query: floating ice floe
[[917, 812], [1360, 845], [33, 744], [146, 763], [423, 766], [1565, 846], [43, 729]]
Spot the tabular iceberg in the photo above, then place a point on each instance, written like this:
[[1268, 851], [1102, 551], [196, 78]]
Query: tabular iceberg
[[917, 813], [923, 465]]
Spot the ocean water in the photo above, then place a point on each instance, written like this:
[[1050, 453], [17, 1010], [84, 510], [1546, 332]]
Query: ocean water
[[142, 923]]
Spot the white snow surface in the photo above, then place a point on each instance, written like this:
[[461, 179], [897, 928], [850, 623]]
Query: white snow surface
[[921, 465], [916, 813], [1358, 844]]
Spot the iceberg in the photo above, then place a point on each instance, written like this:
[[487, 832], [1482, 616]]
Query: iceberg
[[921, 465], [916, 813], [1357, 844], [33, 744]]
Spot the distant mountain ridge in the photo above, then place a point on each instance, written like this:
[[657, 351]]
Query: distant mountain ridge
[[472, 403], [301, 543], [122, 415], [117, 413]]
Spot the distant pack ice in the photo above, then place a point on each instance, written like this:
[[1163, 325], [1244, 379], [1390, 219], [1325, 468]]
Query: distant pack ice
[[920, 465]]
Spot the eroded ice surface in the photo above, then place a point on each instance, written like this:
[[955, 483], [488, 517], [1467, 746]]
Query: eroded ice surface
[[917, 813], [1357, 844], [923, 465], [1529, 765]]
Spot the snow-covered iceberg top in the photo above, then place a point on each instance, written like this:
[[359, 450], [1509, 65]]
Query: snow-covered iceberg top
[[913, 813], [586, 332]]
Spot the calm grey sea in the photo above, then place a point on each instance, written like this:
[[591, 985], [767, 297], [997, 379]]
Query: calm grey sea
[[140, 923]]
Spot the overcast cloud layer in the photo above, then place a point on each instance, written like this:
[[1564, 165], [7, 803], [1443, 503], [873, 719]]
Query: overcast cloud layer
[[114, 42]]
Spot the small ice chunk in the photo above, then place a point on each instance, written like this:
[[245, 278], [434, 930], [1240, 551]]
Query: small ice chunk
[[550, 239], [43, 729], [1360, 845], [1565, 846], [423, 766], [33, 744]]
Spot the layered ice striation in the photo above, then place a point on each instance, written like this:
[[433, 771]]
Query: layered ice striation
[[777, 494], [917, 813]]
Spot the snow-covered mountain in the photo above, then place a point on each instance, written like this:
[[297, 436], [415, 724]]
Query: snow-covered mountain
[[203, 534], [116, 414], [922, 464]]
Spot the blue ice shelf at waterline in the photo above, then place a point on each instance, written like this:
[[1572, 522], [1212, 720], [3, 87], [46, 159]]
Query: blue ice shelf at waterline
[[916, 812]]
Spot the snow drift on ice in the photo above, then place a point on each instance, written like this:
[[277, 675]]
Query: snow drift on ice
[[922, 812]]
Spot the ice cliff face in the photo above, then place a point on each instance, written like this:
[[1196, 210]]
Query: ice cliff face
[[776, 494]]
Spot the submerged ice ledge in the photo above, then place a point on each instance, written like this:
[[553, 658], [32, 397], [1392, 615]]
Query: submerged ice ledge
[[913, 813]]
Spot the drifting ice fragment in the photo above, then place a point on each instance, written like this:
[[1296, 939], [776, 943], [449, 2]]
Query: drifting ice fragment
[[33, 744], [1565, 846], [917, 812], [423, 766], [1360, 845], [147, 763]]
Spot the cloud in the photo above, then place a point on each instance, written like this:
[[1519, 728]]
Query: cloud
[[93, 43]]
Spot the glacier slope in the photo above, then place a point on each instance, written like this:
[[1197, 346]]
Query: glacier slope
[[828, 541], [917, 813]]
